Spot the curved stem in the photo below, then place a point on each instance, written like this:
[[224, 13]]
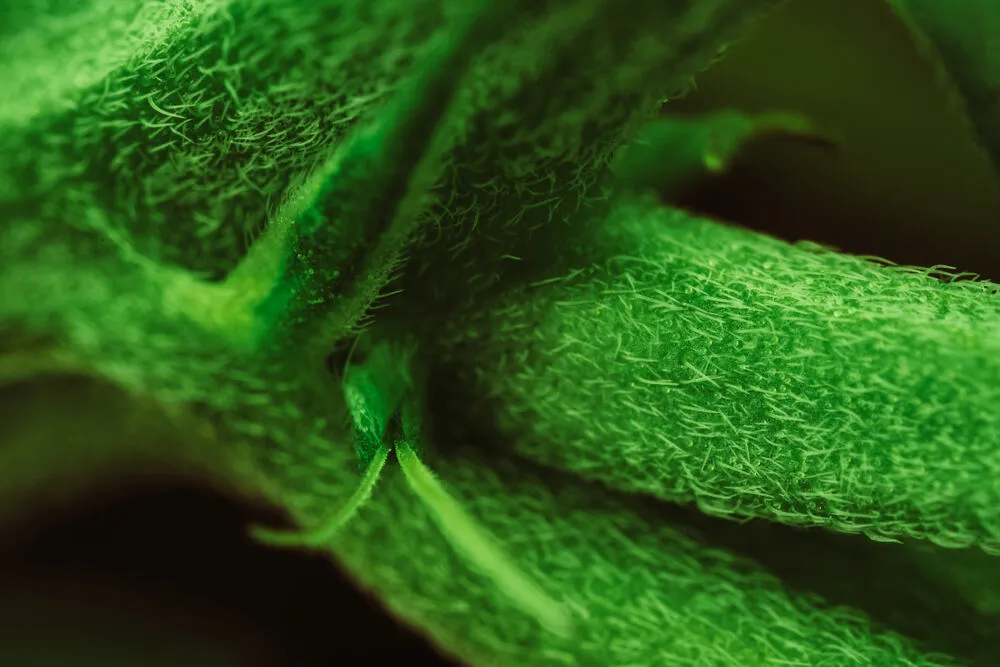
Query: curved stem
[[322, 535], [470, 540]]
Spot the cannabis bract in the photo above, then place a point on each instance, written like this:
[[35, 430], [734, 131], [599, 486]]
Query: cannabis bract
[[203, 203]]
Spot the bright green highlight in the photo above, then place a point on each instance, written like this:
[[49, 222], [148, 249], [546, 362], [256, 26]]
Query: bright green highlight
[[324, 534], [476, 545], [707, 364], [373, 391]]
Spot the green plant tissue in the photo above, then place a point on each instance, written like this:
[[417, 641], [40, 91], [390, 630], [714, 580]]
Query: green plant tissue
[[962, 39], [699, 362], [200, 201]]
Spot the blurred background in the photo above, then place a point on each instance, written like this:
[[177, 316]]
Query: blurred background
[[160, 572], [906, 180]]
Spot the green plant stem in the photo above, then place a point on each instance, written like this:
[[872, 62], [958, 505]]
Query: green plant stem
[[704, 363]]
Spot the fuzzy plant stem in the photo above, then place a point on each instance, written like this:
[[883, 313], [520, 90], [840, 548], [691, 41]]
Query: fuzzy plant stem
[[466, 534], [703, 363], [475, 544]]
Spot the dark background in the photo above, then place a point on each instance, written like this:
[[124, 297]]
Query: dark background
[[907, 181]]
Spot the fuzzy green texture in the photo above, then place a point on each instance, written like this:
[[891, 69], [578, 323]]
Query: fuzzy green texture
[[196, 209], [189, 142], [702, 363]]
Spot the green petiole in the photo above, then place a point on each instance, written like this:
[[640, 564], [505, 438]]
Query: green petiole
[[376, 391]]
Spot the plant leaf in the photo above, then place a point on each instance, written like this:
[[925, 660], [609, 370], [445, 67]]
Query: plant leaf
[[669, 153], [962, 39]]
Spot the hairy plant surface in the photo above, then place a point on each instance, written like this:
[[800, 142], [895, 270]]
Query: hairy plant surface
[[384, 264]]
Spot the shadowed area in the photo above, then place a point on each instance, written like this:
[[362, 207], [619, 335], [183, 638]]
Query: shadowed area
[[172, 565]]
